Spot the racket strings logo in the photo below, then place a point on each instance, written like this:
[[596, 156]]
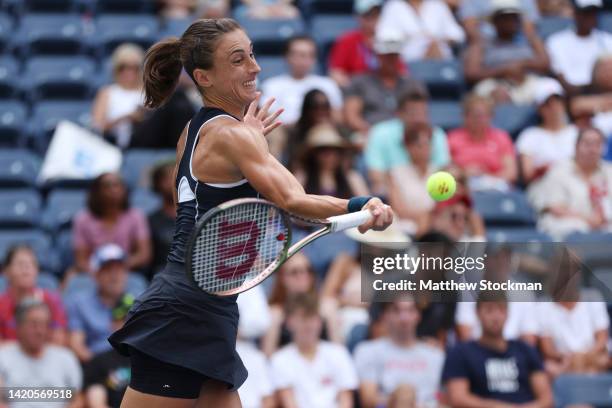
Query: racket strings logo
[[237, 248]]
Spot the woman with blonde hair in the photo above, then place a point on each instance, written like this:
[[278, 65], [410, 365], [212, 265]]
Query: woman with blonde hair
[[118, 106]]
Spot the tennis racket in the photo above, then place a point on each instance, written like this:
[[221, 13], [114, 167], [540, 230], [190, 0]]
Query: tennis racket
[[239, 243]]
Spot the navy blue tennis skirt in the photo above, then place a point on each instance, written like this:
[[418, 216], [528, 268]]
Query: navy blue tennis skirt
[[177, 323]]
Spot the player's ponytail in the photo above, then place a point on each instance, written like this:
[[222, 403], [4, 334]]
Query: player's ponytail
[[162, 69], [195, 49]]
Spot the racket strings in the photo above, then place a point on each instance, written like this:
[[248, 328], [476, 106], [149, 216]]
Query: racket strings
[[236, 245]]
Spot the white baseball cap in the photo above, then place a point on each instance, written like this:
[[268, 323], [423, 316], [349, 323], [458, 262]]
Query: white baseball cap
[[505, 7], [582, 4], [388, 42], [545, 88], [364, 6], [105, 254]]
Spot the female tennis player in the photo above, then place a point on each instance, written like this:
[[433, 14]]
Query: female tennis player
[[181, 340]]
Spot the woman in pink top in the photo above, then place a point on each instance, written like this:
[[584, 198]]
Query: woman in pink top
[[109, 219], [479, 148]]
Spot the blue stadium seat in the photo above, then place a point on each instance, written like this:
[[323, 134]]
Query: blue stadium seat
[[62, 205], [174, 27], [138, 163], [46, 116], [444, 79], [64, 249], [48, 281], [593, 389], [13, 116], [55, 6], [514, 118], [270, 36], [125, 6], [19, 208], [50, 34], [504, 209], [605, 21], [445, 114], [516, 235], [271, 66], [115, 29], [329, 7], [546, 26], [37, 240], [6, 30], [136, 284], [145, 200], [58, 78], [18, 168], [326, 29], [9, 74]]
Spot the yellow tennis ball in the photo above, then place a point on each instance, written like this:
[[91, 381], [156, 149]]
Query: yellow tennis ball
[[441, 186]]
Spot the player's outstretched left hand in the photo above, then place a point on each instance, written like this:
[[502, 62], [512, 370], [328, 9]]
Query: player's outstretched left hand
[[382, 216], [260, 118]]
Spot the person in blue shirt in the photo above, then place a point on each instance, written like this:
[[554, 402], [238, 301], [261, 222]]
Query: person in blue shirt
[[492, 372], [385, 148]]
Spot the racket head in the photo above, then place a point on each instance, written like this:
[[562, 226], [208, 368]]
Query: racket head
[[236, 245]]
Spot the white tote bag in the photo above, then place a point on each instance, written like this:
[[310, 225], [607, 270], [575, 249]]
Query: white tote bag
[[77, 153]]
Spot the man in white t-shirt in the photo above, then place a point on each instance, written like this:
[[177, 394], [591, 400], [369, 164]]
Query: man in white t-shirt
[[399, 363], [310, 373], [289, 89], [573, 51], [32, 362]]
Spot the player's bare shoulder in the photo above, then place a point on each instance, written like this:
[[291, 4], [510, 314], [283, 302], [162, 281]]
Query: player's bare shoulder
[[232, 136]]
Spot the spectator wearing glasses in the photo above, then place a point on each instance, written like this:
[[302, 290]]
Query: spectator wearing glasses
[[119, 106]]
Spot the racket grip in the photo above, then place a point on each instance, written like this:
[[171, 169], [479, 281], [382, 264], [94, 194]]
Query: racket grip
[[346, 221]]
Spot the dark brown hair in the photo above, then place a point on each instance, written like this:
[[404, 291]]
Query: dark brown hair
[[304, 302], [195, 49], [415, 93], [95, 203], [12, 252], [414, 133]]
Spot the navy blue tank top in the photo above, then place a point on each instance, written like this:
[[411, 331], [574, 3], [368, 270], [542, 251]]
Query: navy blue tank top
[[194, 197]]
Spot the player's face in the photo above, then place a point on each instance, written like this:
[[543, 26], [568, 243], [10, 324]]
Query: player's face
[[492, 316], [235, 69], [23, 270]]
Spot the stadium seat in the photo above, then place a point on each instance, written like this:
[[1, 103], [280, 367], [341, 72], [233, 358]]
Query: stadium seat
[[50, 34], [514, 118], [115, 29], [18, 168], [37, 240], [48, 281], [593, 247], [19, 208], [593, 389], [271, 66], [136, 284], [9, 74], [145, 200], [270, 36], [329, 7], [64, 249], [326, 29], [504, 209], [46, 116], [445, 114], [444, 79], [138, 163], [58, 78], [546, 26], [62, 206], [6, 31], [12, 123], [124, 6], [516, 235], [605, 21], [174, 27]]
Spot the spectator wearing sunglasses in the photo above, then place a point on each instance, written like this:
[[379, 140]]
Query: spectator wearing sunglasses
[[117, 107]]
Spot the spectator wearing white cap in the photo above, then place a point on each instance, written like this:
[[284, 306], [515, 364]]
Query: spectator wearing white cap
[[474, 17], [353, 52], [428, 27], [373, 97], [574, 51], [90, 319], [506, 66], [553, 140]]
